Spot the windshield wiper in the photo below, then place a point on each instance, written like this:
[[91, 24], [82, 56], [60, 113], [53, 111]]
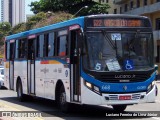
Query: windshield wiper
[[134, 40], [113, 45], [107, 38]]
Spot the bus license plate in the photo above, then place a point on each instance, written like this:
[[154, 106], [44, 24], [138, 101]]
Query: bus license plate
[[125, 97]]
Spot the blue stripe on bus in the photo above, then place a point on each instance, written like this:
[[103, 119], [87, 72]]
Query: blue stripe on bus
[[118, 87], [79, 21]]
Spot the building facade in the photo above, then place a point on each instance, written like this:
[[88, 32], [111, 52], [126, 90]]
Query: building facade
[[149, 8], [13, 11]]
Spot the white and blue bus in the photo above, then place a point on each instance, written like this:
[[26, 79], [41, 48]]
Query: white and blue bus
[[96, 60]]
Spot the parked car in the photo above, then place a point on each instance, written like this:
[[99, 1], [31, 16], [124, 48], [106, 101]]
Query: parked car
[[1, 77]]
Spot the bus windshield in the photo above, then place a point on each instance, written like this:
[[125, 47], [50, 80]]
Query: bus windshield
[[123, 51]]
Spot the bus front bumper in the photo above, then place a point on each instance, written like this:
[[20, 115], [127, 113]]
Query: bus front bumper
[[92, 98]]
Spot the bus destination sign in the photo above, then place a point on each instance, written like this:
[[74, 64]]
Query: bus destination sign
[[117, 23]]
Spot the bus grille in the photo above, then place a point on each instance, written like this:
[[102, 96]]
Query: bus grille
[[112, 79], [115, 97]]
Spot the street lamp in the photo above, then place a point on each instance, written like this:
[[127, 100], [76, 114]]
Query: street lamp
[[79, 10]]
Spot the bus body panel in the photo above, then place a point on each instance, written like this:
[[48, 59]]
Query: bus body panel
[[47, 74], [20, 70], [88, 97], [6, 71]]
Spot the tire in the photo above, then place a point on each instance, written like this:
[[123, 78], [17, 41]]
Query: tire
[[119, 108], [20, 94], [62, 103]]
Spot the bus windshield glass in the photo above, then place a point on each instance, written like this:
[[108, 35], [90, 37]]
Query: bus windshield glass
[[123, 51]]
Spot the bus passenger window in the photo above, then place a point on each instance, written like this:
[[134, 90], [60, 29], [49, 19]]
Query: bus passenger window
[[22, 49], [45, 47], [41, 45], [62, 46], [17, 49], [7, 50], [38, 47], [51, 45]]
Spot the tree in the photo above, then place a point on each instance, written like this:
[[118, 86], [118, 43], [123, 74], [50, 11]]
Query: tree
[[52, 5], [5, 28], [69, 6]]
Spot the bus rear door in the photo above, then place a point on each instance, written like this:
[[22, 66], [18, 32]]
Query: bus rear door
[[11, 64], [31, 66]]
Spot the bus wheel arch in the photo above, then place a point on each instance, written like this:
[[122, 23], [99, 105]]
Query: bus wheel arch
[[19, 89], [61, 97]]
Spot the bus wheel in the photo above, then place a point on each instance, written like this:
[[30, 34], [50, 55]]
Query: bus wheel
[[20, 94], [63, 104], [119, 108]]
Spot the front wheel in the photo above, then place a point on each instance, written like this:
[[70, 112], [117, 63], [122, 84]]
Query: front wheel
[[63, 104], [119, 108]]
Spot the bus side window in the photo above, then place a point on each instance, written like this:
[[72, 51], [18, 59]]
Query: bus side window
[[11, 51], [7, 50], [37, 47], [62, 46], [41, 45], [51, 44], [17, 49], [22, 48], [45, 46]]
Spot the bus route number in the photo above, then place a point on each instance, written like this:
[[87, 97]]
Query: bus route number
[[97, 23]]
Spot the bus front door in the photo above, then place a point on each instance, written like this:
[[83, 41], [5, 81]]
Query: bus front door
[[75, 66], [31, 66], [11, 66]]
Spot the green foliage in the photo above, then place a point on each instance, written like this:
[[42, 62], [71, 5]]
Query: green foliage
[[19, 28], [5, 28], [52, 18], [52, 5], [93, 8], [35, 19], [70, 6], [98, 8]]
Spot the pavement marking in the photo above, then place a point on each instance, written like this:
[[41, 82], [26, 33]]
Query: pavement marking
[[157, 101], [156, 118]]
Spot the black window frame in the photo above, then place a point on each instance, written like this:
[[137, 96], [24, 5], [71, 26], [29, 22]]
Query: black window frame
[[138, 3], [145, 2], [126, 7], [157, 23]]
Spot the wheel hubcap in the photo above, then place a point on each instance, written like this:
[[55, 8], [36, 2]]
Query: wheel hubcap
[[63, 98], [19, 91]]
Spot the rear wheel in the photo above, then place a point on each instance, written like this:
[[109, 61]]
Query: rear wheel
[[63, 104], [20, 94], [119, 108]]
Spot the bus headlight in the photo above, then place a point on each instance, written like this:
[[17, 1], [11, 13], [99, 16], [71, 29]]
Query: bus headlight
[[92, 87], [88, 84]]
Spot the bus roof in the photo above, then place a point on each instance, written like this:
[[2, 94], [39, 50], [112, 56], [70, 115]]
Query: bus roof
[[79, 20], [118, 16]]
